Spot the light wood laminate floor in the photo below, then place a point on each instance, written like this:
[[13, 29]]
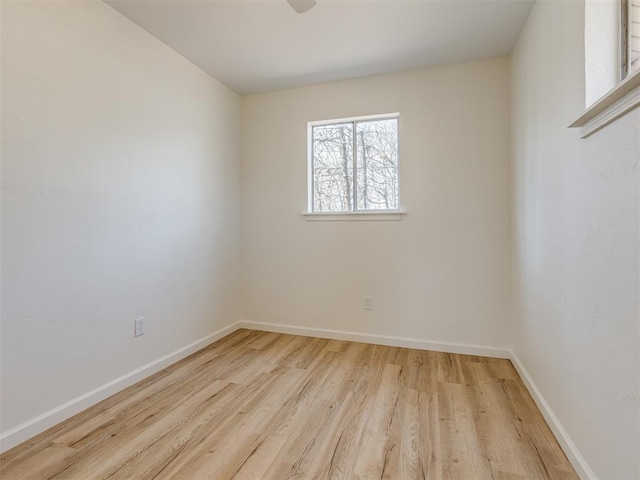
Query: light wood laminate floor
[[259, 405]]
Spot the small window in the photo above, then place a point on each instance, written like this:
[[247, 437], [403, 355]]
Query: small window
[[630, 36], [354, 165]]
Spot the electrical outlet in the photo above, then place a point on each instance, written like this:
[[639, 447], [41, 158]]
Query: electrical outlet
[[140, 326], [368, 302]]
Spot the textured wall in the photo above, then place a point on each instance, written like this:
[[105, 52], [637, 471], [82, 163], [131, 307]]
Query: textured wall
[[576, 246]]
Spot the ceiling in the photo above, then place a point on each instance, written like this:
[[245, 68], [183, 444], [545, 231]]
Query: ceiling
[[255, 46]]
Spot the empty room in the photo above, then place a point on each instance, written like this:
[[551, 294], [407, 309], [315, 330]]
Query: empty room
[[320, 239]]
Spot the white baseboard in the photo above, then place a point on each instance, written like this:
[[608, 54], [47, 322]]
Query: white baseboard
[[567, 445], [30, 428], [465, 349]]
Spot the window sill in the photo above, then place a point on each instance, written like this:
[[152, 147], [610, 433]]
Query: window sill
[[355, 216], [622, 99]]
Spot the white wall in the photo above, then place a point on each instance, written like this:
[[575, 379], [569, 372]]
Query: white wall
[[576, 246], [120, 199], [441, 274]]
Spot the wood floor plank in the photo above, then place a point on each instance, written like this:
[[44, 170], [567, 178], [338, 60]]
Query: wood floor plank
[[261, 405], [505, 449], [381, 429], [462, 452], [42, 464], [429, 447], [103, 462]]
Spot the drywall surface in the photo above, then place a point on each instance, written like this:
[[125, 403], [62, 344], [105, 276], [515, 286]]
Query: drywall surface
[[576, 246], [120, 199], [440, 274]]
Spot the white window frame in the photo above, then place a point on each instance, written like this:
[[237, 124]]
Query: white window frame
[[387, 214], [623, 97]]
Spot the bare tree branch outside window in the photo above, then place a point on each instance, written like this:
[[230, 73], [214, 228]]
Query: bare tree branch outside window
[[374, 184]]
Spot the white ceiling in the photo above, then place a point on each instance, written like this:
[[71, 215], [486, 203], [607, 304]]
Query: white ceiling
[[263, 45]]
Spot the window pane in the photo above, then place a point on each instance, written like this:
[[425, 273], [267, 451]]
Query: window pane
[[377, 155], [634, 35], [333, 168]]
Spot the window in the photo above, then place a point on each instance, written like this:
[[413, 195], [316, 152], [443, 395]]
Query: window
[[612, 62], [354, 165], [630, 36]]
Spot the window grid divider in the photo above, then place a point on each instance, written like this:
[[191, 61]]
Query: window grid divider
[[354, 121]]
